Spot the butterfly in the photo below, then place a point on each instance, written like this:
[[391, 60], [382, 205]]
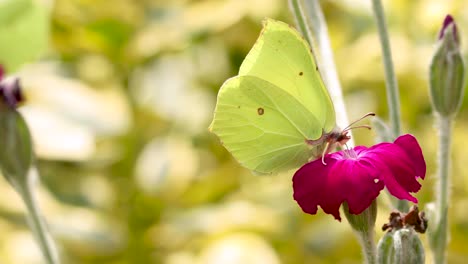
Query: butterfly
[[276, 114]]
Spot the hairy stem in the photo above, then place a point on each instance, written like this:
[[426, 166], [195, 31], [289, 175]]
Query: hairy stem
[[37, 225], [393, 100], [445, 125], [366, 238], [311, 22], [298, 13], [390, 78]]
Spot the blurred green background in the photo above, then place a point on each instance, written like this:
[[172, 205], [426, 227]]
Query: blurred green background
[[119, 97]]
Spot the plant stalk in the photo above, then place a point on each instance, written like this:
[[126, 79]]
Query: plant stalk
[[390, 77], [366, 238], [445, 125], [300, 17], [312, 24], [390, 82], [37, 224]]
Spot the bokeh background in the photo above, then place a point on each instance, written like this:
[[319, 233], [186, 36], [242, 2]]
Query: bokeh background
[[119, 97]]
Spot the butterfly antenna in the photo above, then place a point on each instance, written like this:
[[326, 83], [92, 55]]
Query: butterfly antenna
[[363, 126], [364, 116]]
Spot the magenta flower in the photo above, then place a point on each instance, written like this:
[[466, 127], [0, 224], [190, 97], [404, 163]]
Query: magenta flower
[[357, 176]]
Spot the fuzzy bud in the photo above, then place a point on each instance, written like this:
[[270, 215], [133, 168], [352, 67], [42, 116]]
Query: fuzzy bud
[[16, 154], [401, 246], [447, 71]]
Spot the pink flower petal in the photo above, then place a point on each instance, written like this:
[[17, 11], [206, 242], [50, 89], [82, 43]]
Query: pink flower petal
[[357, 176], [309, 184], [399, 163], [395, 169], [394, 187], [333, 197], [353, 181], [410, 145]]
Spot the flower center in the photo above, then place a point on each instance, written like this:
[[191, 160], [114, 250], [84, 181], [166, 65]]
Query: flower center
[[350, 154]]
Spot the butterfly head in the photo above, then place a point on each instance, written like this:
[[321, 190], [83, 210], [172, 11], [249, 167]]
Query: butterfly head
[[337, 137]]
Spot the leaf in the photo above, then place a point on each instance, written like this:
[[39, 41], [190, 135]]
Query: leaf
[[23, 34]]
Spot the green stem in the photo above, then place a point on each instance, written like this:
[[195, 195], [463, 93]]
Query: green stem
[[312, 24], [298, 13], [445, 125], [37, 225], [366, 238], [364, 224], [390, 81], [390, 78]]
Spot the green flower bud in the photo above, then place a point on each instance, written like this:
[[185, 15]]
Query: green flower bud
[[363, 222], [385, 249], [16, 151], [447, 71], [16, 161], [401, 246], [16, 154]]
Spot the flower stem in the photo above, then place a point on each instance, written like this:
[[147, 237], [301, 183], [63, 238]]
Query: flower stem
[[390, 81], [312, 24], [390, 78], [366, 238], [364, 224], [298, 12], [445, 124], [37, 224]]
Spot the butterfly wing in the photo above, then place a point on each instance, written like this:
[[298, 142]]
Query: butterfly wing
[[264, 127], [282, 57]]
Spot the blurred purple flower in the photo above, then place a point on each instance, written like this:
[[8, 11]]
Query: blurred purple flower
[[10, 91], [357, 176]]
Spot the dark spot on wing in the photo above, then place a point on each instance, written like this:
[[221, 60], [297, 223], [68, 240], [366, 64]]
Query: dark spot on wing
[[301, 73], [238, 106], [316, 67], [260, 111]]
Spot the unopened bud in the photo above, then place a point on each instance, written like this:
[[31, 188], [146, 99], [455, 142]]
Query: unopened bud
[[16, 153], [447, 71], [401, 246]]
